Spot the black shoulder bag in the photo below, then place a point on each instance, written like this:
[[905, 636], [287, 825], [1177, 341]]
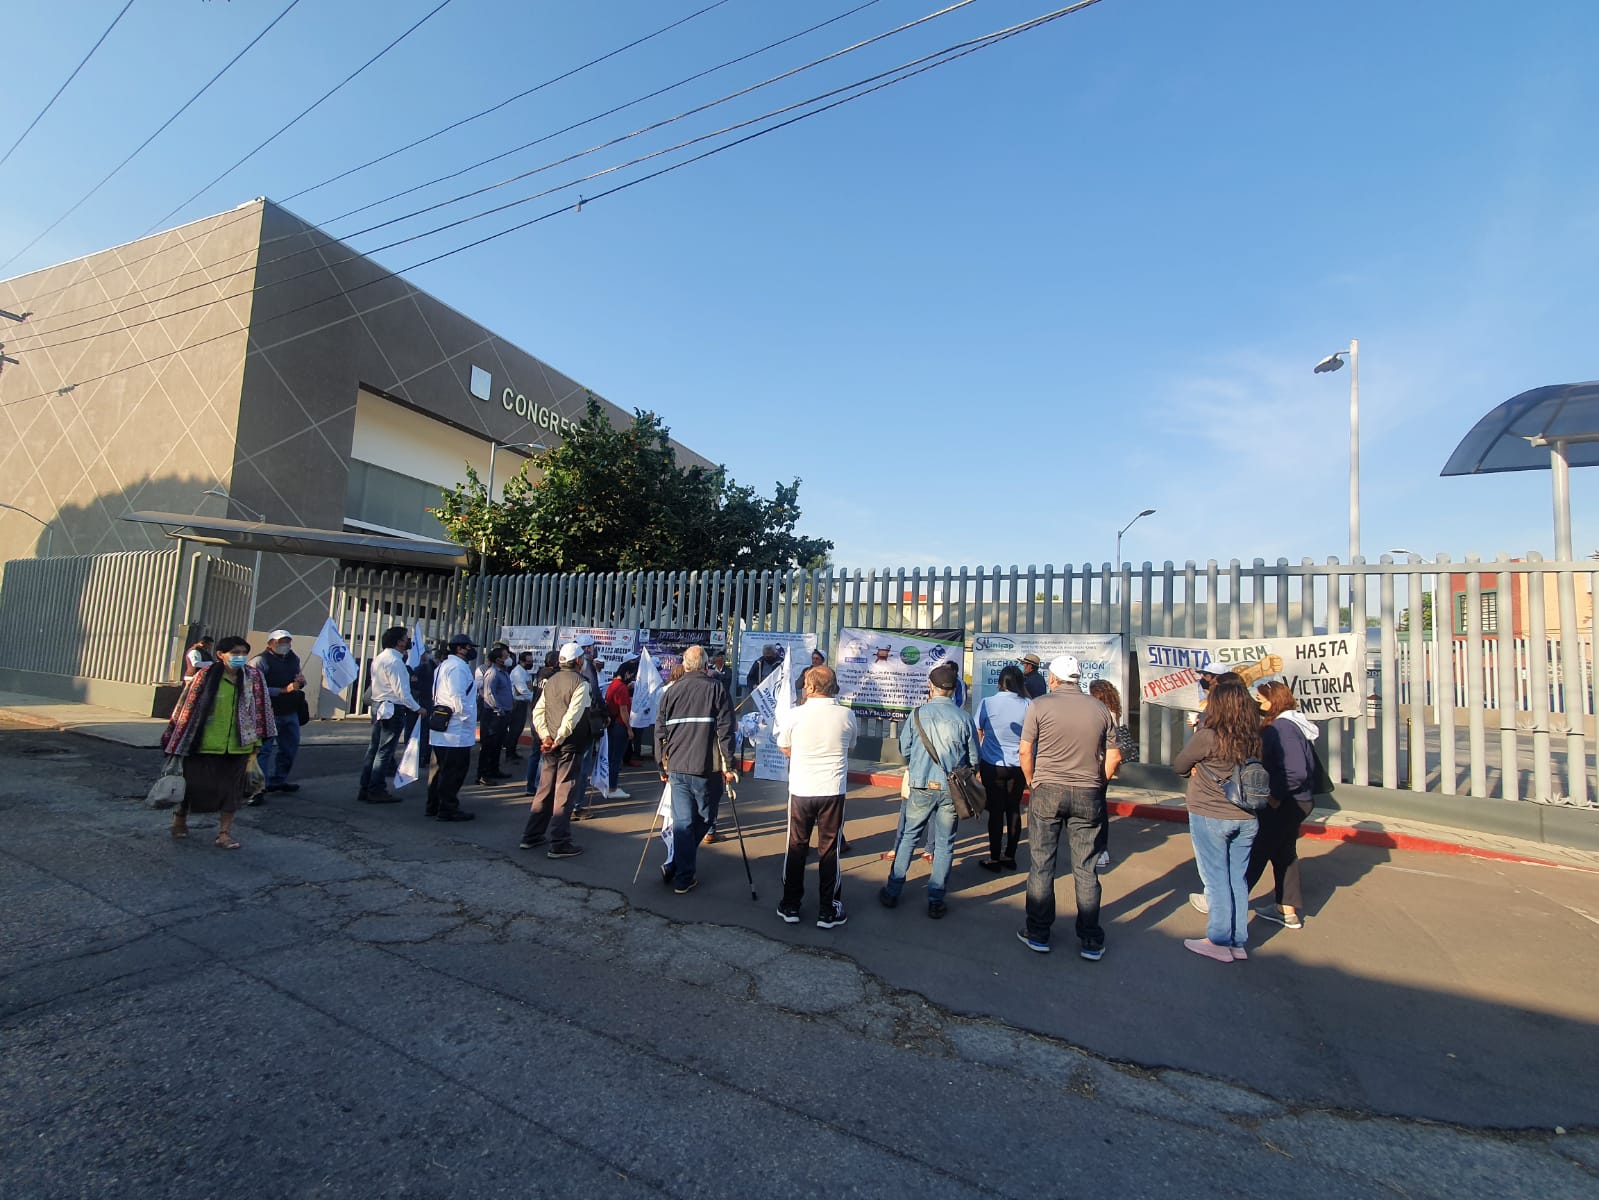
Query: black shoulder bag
[[965, 788]]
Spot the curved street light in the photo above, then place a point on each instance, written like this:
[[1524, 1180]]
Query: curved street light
[[1148, 512]]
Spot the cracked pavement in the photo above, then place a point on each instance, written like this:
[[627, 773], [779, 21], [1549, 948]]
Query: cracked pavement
[[360, 1005]]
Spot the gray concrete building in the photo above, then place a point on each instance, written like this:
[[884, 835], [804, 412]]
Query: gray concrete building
[[249, 354]]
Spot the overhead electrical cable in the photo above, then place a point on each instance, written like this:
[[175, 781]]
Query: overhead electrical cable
[[856, 91], [294, 120], [50, 102], [181, 110], [212, 280], [494, 108]]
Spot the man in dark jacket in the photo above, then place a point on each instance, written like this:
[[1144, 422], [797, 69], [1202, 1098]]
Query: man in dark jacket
[[694, 744], [280, 667]]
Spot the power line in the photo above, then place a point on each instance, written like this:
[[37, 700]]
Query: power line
[[212, 280], [68, 80], [856, 91], [493, 108], [123, 264], [296, 119], [181, 110]]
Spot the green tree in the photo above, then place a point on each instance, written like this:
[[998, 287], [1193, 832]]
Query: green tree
[[1426, 615], [615, 500]]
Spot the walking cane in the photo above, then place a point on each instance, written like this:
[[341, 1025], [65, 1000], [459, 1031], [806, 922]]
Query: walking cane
[[732, 797], [644, 852]]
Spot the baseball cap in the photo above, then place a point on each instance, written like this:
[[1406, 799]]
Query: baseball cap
[[277, 635], [461, 639], [583, 639], [1032, 658], [572, 651], [944, 676], [1214, 668], [1065, 666]]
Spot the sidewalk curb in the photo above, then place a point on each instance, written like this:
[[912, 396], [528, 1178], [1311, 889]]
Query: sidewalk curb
[[1379, 838]]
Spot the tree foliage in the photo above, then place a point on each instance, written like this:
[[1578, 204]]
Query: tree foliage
[[616, 500]]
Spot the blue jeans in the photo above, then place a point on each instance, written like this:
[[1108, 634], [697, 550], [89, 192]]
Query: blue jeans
[[1221, 848], [617, 748], [534, 757], [695, 799], [934, 812], [1080, 813], [278, 754], [378, 768], [585, 777]]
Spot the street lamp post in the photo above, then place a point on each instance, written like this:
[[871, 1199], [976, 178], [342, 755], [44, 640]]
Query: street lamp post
[[49, 534], [1333, 362], [1148, 512]]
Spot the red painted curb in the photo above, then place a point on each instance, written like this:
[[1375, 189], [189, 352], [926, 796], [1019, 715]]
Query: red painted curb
[[1380, 838]]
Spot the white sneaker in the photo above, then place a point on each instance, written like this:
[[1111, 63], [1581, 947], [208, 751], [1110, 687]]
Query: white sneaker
[[1102, 863], [1197, 899], [616, 794]]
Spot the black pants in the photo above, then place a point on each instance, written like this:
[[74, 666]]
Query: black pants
[[445, 780], [1004, 786], [824, 814], [1079, 812], [491, 726], [1276, 842], [513, 731]]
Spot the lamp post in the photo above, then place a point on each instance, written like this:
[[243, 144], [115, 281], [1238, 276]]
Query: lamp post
[[49, 534], [1333, 362], [1148, 512], [255, 573]]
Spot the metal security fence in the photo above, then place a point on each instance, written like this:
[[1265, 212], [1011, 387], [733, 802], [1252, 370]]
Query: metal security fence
[[93, 616], [1443, 744]]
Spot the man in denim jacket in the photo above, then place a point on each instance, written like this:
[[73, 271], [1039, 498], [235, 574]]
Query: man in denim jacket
[[930, 806]]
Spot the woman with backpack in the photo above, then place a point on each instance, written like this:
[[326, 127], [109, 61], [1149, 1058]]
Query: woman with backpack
[[1222, 832], [1287, 750]]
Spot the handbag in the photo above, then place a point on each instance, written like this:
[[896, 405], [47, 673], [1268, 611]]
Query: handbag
[[965, 788], [439, 717], [255, 783], [169, 788], [1248, 786], [1127, 743]]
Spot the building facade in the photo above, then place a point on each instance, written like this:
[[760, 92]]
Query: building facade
[[245, 365]]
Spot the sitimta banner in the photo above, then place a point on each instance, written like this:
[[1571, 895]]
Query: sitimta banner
[[1327, 674]]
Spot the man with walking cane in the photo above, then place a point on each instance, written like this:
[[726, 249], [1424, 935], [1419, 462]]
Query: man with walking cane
[[694, 746]]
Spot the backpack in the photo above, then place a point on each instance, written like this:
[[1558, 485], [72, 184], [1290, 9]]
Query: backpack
[[1248, 787]]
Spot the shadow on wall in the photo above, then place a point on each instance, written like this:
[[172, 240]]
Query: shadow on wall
[[93, 524]]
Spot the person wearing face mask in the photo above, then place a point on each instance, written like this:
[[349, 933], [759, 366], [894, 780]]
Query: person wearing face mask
[[391, 701], [495, 701], [223, 714], [285, 682], [454, 688]]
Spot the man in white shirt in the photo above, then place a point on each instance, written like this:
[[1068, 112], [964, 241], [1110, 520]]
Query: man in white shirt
[[455, 690], [817, 739], [391, 701], [521, 703]]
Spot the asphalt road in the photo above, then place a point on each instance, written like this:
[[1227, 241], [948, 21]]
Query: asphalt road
[[363, 1003]]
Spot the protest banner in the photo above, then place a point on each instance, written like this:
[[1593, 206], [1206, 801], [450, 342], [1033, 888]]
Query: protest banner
[[1101, 656], [537, 638], [750, 643], [613, 647], [1327, 674], [339, 668], [666, 646], [773, 703], [883, 673]]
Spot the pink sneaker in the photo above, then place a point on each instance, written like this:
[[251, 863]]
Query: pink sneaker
[[1239, 954], [1208, 949]]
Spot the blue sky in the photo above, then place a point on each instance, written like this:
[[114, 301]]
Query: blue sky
[[987, 314]]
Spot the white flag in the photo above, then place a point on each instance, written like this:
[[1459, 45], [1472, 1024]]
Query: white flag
[[646, 692], [410, 763], [414, 658], [339, 668], [768, 699], [785, 695]]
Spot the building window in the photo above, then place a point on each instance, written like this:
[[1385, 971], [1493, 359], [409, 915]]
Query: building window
[[379, 496], [1490, 613]]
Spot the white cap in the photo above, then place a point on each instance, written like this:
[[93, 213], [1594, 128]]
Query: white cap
[[1065, 666], [277, 635], [583, 639], [571, 652]]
